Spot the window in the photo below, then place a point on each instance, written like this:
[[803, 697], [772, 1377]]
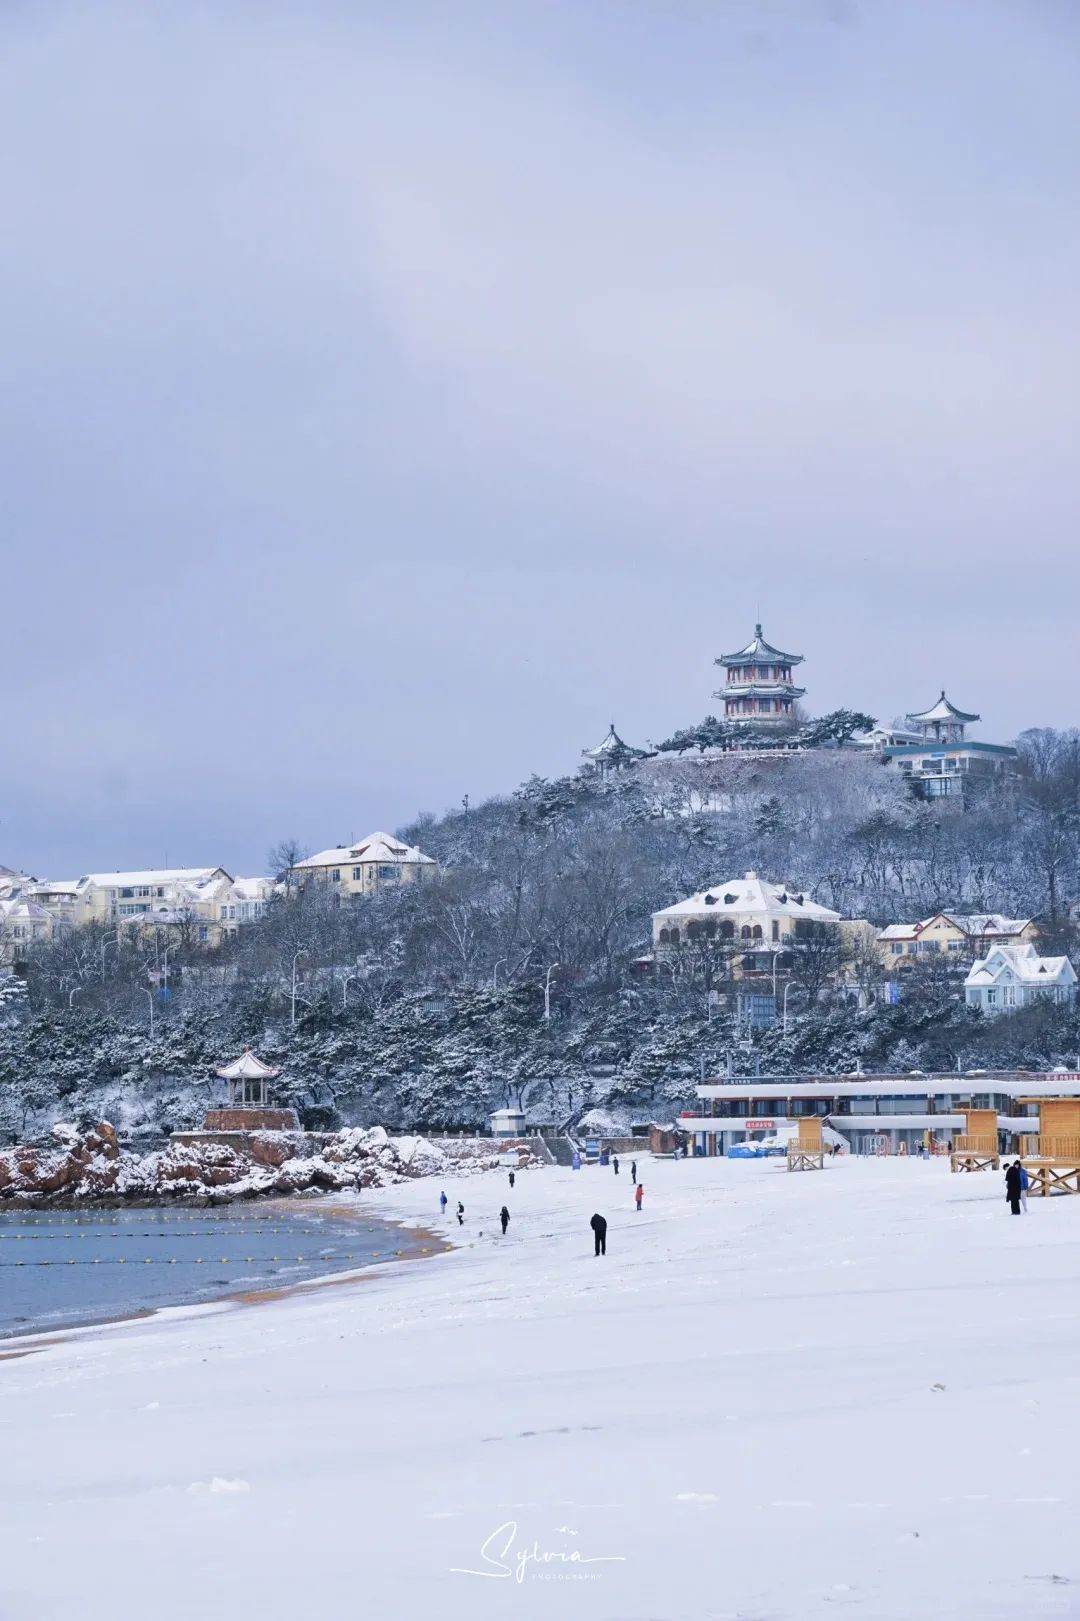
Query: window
[[991, 998], [389, 872], [897, 948], [358, 875], [335, 875], [665, 936], [776, 929], [956, 945], [727, 930], [757, 931], [745, 931], [674, 937]]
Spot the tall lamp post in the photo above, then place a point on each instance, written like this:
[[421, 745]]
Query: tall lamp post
[[150, 998], [787, 988], [346, 982], [502, 962], [110, 940], [547, 990], [292, 1005]]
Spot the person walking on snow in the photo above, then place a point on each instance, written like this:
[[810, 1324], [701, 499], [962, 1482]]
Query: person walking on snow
[[1013, 1187], [442, 1204], [615, 1163], [633, 1170], [599, 1227], [511, 1178], [1025, 1183], [504, 1217], [460, 1214], [639, 1194]]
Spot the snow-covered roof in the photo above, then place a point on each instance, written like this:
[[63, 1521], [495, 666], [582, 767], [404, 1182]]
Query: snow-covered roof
[[751, 894], [24, 911], [973, 924], [1022, 962], [613, 747], [247, 1068], [759, 649], [55, 886], [152, 875], [763, 689], [254, 889], [376, 847], [942, 710]]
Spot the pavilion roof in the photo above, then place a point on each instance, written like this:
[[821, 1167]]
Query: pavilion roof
[[942, 710], [247, 1068], [758, 649], [613, 748]]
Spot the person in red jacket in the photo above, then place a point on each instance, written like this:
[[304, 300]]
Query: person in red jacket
[[639, 1194]]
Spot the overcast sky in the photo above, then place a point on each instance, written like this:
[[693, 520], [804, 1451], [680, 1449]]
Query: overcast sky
[[392, 395]]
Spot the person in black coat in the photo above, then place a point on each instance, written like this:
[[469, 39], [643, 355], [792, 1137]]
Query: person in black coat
[[504, 1217], [1013, 1187], [599, 1227], [511, 1178]]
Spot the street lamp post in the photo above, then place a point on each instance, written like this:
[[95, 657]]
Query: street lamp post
[[787, 988], [110, 940], [292, 1005], [72, 994], [495, 973], [547, 990], [150, 998], [346, 982]]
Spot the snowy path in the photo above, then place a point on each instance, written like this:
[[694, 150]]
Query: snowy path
[[778, 1396]]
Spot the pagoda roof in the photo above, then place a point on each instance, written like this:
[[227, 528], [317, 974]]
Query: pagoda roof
[[943, 710], [613, 747], [759, 649], [761, 689], [247, 1068]]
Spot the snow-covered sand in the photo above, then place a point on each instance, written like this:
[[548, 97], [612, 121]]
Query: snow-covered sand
[[855, 1391]]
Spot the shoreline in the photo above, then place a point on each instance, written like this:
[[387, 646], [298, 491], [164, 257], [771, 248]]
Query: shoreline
[[25, 1342]]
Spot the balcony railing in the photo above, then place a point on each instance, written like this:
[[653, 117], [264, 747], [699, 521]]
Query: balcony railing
[[1049, 1146], [975, 1143]]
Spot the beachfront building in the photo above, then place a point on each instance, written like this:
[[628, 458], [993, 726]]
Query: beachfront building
[[872, 1113], [935, 755], [372, 864], [1011, 977], [954, 936], [758, 687], [610, 754]]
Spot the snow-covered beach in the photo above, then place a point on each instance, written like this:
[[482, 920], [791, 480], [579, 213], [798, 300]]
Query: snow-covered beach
[[776, 1396]]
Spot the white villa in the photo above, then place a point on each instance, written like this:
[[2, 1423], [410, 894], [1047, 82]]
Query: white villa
[[750, 910], [377, 862], [1009, 977]]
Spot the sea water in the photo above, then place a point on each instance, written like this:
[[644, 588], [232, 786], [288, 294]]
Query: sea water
[[59, 1269]]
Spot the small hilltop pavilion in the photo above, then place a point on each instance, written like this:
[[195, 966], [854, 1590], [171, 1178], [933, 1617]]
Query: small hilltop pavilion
[[758, 687], [612, 754], [249, 1106], [942, 722]]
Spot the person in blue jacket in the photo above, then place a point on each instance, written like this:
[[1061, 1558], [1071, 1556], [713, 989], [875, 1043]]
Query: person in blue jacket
[[1025, 1183], [442, 1204]]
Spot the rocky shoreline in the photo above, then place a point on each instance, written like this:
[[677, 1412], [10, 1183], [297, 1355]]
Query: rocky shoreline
[[77, 1168]]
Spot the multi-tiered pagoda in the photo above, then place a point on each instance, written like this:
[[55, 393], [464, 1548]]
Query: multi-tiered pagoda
[[758, 685]]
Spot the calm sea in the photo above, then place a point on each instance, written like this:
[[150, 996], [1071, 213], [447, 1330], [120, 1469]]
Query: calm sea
[[59, 1268]]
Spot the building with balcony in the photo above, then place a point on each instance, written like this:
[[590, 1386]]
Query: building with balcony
[[368, 866], [936, 756], [871, 1112], [952, 936], [1011, 977]]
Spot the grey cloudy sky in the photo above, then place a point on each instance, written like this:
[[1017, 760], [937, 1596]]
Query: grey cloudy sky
[[392, 395]]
